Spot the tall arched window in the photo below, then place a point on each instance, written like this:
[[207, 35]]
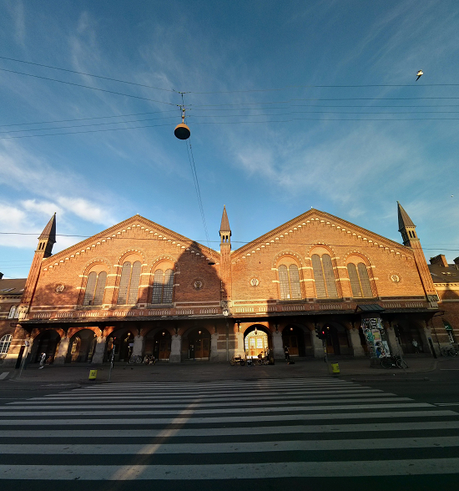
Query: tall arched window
[[360, 282], [324, 276], [95, 288], [129, 283], [289, 282], [163, 286], [5, 342]]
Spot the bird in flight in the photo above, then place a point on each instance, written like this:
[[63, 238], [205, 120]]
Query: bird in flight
[[419, 74]]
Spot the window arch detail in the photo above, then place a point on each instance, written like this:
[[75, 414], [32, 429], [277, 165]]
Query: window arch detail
[[289, 282], [95, 288], [163, 286], [5, 343], [324, 276], [360, 281], [129, 283]]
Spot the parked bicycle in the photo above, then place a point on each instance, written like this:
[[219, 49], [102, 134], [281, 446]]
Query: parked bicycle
[[237, 360], [395, 361], [448, 351], [135, 360]]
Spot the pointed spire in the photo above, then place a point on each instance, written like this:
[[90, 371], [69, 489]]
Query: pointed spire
[[49, 232], [225, 226], [403, 219], [47, 238]]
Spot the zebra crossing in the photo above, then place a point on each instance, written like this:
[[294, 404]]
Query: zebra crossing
[[225, 431]]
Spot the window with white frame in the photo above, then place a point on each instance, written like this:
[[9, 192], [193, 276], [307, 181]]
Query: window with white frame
[[129, 283], [324, 276], [289, 282], [5, 342]]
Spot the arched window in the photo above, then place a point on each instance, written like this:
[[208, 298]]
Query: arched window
[[95, 288], [163, 286], [360, 282], [13, 314], [324, 276], [289, 282], [5, 342], [129, 283]]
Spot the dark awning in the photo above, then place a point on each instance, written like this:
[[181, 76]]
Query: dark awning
[[371, 307]]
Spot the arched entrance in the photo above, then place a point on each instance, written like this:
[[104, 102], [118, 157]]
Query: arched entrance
[[81, 346], [257, 341], [293, 338], [199, 344], [122, 342], [46, 342]]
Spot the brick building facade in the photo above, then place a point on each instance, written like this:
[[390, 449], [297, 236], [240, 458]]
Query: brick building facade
[[146, 290]]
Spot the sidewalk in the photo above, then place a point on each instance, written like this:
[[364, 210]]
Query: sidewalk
[[78, 374]]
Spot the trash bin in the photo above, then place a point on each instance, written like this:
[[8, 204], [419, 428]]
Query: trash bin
[[335, 369], [92, 374]]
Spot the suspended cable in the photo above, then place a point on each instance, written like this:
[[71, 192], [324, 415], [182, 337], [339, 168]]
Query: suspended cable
[[87, 74], [88, 87]]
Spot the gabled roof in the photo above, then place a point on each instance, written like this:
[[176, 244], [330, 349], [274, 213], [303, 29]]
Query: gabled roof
[[12, 286], [150, 228], [442, 274], [314, 214]]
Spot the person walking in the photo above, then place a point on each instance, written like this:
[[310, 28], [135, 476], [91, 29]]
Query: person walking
[[287, 354], [42, 360]]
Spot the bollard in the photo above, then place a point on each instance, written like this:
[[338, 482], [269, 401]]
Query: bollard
[[92, 374], [335, 369]]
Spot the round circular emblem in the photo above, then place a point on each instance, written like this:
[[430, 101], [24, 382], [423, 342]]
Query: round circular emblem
[[225, 312], [197, 285], [395, 278], [60, 288], [254, 282]]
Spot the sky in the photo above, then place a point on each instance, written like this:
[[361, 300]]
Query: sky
[[291, 105]]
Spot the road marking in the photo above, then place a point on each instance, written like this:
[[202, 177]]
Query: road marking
[[235, 430], [228, 419], [233, 447], [231, 471], [6, 412]]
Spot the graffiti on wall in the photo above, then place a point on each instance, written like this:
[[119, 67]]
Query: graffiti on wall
[[376, 338]]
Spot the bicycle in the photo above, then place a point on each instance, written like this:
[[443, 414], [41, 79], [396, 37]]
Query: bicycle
[[135, 360], [448, 351], [395, 361]]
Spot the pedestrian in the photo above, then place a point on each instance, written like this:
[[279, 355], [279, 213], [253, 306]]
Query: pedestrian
[[42, 360], [287, 354], [416, 346]]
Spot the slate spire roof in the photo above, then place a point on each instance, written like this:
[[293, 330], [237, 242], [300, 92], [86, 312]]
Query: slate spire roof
[[49, 232], [404, 220], [225, 226]]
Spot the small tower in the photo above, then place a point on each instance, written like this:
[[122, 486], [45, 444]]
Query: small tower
[[410, 239], [225, 230], [225, 254], [45, 248]]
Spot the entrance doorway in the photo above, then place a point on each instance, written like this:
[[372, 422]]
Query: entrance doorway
[[293, 338], [199, 344], [162, 345], [256, 342]]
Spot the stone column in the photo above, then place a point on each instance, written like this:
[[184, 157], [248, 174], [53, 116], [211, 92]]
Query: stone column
[[356, 345], [277, 345], [425, 333], [395, 348], [214, 347], [62, 351], [137, 349], [176, 349], [99, 351], [240, 350]]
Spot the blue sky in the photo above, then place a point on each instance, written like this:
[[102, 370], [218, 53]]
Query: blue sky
[[291, 105]]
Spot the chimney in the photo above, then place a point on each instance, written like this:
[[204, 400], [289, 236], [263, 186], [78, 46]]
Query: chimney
[[1, 275], [440, 260]]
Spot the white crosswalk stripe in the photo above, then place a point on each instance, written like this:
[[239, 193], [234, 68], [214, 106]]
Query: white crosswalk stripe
[[243, 429]]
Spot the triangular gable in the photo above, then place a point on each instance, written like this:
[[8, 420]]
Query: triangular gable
[[290, 227], [148, 227]]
